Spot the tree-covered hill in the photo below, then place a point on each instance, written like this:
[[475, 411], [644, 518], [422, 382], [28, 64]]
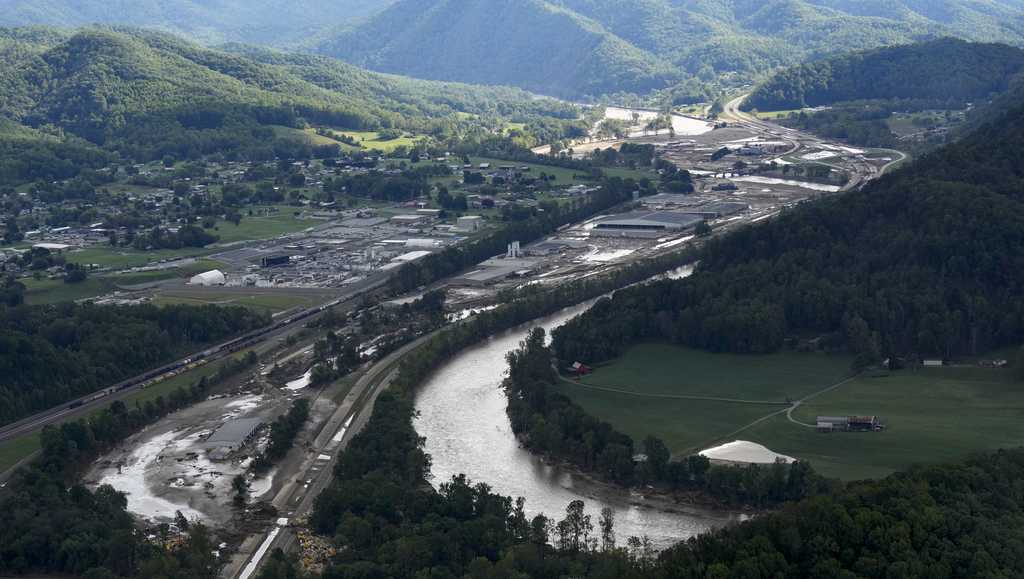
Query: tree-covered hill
[[528, 43], [925, 262], [588, 47], [271, 22], [568, 48], [941, 70], [117, 88]]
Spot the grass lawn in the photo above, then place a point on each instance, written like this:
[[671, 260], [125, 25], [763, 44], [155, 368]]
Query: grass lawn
[[666, 369], [13, 451], [263, 227], [371, 140], [932, 415], [772, 115], [262, 301], [48, 291], [124, 258]]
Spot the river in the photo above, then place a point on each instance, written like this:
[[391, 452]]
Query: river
[[461, 413]]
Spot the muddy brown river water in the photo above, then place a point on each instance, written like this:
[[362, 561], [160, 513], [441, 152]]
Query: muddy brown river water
[[462, 416]]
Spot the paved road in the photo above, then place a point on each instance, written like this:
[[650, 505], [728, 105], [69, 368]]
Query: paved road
[[862, 171], [297, 496]]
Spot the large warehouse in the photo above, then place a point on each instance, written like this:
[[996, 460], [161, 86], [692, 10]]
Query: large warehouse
[[646, 224], [209, 278], [231, 436]]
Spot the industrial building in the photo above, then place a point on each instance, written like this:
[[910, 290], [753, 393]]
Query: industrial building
[[849, 424], [275, 260], [231, 436], [469, 223], [719, 209], [649, 224], [209, 278], [490, 275], [410, 219]]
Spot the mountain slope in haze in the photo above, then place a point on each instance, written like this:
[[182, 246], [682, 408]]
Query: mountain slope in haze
[[529, 43], [588, 47], [942, 70], [120, 88], [271, 22]]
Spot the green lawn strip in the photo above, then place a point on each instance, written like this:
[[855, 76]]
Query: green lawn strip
[[13, 451], [268, 302]]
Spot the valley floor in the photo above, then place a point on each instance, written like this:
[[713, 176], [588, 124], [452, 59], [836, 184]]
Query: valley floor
[[694, 400]]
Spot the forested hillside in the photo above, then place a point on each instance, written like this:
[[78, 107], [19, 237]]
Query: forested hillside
[[947, 72], [566, 48], [52, 354], [528, 43], [117, 88], [269, 22], [925, 262], [578, 48]]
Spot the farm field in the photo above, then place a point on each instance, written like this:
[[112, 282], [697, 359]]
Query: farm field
[[932, 415], [645, 391]]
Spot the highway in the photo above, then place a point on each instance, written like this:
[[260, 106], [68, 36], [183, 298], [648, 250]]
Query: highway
[[297, 496], [861, 170]]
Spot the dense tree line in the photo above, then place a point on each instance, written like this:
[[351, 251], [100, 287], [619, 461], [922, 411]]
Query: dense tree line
[[186, 236], [866, 126], [921, 263], [284, 430], [950, 70], [52, 354], [551, 423]]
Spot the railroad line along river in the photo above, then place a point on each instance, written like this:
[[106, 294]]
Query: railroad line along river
[[461, 413]]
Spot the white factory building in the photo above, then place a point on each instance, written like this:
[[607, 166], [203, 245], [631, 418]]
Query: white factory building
[[209, 278]]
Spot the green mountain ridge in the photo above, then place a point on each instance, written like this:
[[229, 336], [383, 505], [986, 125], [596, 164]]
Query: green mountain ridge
[[564, 48], [117, 88], [585, 48], [942, 70]]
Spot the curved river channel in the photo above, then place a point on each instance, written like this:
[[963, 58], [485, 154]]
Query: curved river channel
[[462, 416]]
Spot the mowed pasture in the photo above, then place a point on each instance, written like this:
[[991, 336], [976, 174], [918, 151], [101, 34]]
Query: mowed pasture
[[932, 415]]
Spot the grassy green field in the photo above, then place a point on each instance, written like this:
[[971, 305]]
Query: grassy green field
[[772, 115], [272, 303], [48, 291], [371, 140], [263, 227], [123, 258], [15, 450], [932, 415]]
